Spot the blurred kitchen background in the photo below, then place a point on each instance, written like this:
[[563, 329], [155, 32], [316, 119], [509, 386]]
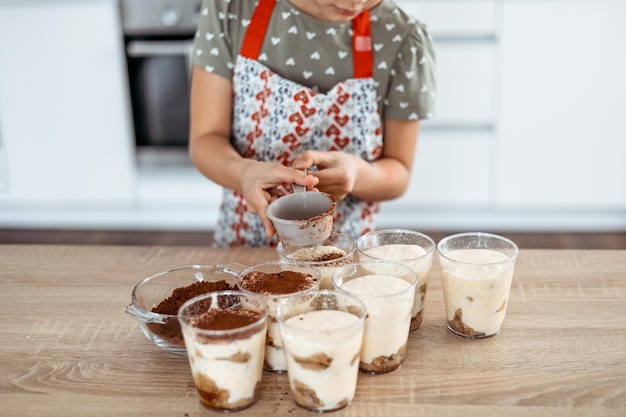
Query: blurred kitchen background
[[528, 138]]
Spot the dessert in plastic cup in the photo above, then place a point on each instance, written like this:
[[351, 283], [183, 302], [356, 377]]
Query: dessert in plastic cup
[[476, 274], [408, 247], [387, 289], [275, 280], [322, 333], [302, 218], [224, 334], [327, 256]]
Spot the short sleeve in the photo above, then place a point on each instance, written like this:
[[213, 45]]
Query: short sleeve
[[214, 48], [412, 91]]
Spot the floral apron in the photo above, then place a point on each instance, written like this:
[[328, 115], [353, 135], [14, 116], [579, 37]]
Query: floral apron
[[275, 119]]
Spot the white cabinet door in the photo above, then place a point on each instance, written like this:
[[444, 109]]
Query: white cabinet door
[[65, 128], [465, 85], [454, 18], [451, 173], [464, 39], [454, 163], [562, 140]]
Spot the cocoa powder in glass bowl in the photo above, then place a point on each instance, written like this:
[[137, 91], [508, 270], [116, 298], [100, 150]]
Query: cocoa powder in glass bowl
[[157, 298]]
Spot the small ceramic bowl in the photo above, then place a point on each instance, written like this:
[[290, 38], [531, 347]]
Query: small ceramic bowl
[[303, 218], [156, 299]]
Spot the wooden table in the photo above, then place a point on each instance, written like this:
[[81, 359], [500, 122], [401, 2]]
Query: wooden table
[[69, 349]]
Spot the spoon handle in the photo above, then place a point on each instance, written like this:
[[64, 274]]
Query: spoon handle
[[299, 188]]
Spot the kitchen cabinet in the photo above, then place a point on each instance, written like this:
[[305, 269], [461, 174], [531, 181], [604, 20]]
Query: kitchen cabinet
[[562, 143], [455, 155], [65, 133], [527, 130]]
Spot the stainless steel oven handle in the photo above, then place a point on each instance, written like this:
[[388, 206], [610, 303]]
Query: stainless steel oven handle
[[140, 49], [151, 49]]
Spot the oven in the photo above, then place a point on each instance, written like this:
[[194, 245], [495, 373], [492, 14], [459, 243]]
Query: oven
[[158, 37]]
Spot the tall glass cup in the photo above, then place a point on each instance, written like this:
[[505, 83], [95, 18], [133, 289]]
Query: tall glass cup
[[408, 247], [387, 289], [224, 334], [476, 273], [322, 334]]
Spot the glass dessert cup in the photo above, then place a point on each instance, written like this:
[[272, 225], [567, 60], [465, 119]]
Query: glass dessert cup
[[274, 281], [225, 333], [387, 289], [476, 275], [408, 247], [322, 334], [327, 256]]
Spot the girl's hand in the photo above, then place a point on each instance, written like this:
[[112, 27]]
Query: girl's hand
[[261, 182], [337, 171]]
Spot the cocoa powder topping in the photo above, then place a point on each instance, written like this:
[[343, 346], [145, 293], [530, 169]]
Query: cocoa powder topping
[[170, 330], [327, 257], [283, 282], [224, 319]]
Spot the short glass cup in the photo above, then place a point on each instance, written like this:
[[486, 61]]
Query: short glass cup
[[476, 275], [322, 334], [336, 251], [225, 334], [387, 289], [275, 280], [408, 247]]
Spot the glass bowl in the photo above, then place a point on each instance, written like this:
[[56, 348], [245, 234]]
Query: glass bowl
[[155, 299]]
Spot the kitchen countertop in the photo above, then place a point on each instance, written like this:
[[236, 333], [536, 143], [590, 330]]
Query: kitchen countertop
[[69, 349]]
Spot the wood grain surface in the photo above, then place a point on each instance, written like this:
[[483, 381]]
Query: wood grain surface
[[68, 349]]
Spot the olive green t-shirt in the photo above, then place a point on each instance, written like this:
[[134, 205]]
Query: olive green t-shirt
[[318, 54]]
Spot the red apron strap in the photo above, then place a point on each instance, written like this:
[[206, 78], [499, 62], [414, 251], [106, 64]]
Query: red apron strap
[[361, 41], [362, 46], [253, 40]]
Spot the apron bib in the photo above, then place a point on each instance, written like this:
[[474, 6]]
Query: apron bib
[[275, 119]]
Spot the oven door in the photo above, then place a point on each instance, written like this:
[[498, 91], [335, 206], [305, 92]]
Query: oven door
[[159, 76]]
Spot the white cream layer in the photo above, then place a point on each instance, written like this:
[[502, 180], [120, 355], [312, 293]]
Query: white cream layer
[[239, 378], [481, 291], [329, 333], [389, 306], [413, 256]]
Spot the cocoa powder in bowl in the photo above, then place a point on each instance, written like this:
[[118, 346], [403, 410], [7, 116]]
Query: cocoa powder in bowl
[[170, 330]]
